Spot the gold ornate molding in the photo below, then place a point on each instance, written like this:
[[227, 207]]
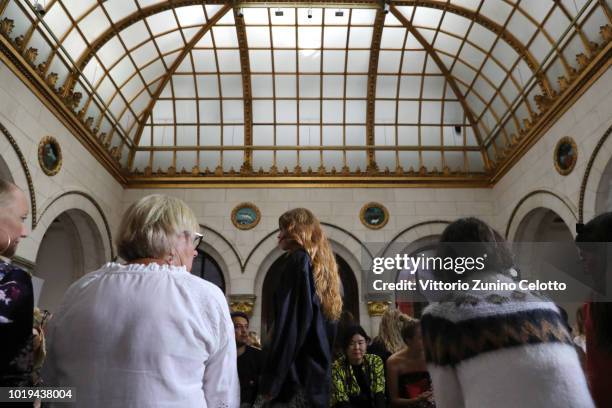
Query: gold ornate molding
[[242, 303], [565, 169], [362, 215], [378, 307], [50, 149], [245, 226]]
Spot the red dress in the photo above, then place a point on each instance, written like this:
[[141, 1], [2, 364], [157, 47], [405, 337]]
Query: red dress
[[598, 364]]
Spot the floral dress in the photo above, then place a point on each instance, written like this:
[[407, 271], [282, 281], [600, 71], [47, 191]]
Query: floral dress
[[16, 320]]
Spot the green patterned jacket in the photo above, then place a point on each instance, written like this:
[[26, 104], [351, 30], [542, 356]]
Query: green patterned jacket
[[344, 384]]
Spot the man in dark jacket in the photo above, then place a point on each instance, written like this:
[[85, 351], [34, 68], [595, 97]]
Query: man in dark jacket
[[249, 360]]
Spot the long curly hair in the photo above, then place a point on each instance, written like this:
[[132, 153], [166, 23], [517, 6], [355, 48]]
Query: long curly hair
[[302, 229], [389, 330]]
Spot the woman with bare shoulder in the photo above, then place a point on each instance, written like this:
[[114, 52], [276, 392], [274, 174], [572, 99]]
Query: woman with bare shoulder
[[407, 377]]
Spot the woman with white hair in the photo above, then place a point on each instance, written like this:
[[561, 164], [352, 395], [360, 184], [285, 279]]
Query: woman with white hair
[[147, 333]]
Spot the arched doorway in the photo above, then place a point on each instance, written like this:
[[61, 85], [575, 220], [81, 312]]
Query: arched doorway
[[544, 248], [208, 269], [349, 291], [70, 248], [603, 200], [413, 303]]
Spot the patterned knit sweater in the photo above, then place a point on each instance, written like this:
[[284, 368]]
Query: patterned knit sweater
[[503, 350]]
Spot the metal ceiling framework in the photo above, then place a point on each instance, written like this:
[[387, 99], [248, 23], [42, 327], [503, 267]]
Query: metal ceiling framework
[[473, 54]]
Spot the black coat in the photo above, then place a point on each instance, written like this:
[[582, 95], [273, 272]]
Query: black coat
[[299, 355]]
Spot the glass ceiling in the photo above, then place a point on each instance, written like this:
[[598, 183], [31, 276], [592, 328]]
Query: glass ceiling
[[184, 85]]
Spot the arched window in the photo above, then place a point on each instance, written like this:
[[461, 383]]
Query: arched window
[[208, 269]]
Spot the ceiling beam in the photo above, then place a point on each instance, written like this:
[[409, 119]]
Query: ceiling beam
[[486, 22], [449, 78], [247, 95], [133, 18], [168, 75], [478, 18], [379, 23]]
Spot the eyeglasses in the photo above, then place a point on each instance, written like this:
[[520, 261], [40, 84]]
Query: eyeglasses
[[197, 239], [359, 343]]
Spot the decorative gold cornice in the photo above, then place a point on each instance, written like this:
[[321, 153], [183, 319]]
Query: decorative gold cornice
[[378, 307], [242, 303], [553, 108], [43, 88], [379, 23]]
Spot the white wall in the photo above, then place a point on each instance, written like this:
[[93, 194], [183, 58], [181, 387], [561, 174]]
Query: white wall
[[586, 122], [28, 121]]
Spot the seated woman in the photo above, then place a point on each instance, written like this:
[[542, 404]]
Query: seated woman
[[148, 333], [358, 379], [408, 381]]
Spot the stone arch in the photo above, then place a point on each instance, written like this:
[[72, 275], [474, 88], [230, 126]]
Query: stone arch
[[542, 239], [541, 199], [21, 178], [592, 188], [76, 200], [224, 253], [416, 232], [210, 248], [72, 245]]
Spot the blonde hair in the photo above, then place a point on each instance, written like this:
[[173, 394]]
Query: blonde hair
[[389, 331], [150, 226], [304, 230], [254, 340]]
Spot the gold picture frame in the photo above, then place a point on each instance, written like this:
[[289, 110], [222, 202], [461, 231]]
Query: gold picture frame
[[49, 155], [246, 216], [565, 155], [370, 215]]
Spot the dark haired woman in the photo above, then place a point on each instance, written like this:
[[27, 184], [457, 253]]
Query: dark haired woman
[[407, 377], [358, 379], [307, 306], [598, 312], [502, 349]]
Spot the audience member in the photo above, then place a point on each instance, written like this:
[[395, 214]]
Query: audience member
[[147, 333], [408, 381], [497, 348], [358, 379], [580, 338], [389, 339], [254, 340], [307, 306], [16, 293], [249, 360]]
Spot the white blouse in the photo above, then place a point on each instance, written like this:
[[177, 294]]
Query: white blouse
[[144, 336]]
